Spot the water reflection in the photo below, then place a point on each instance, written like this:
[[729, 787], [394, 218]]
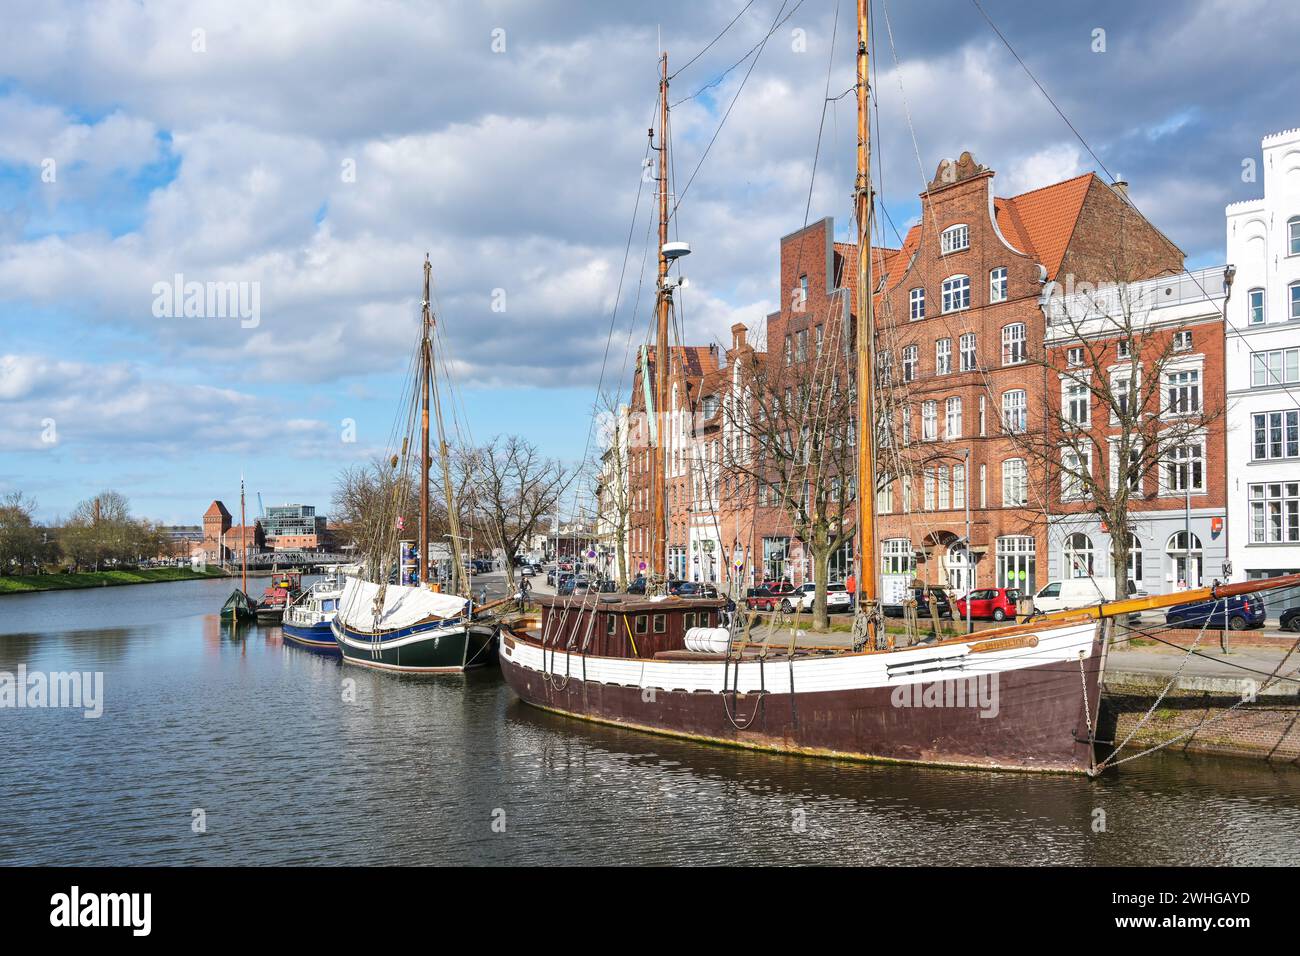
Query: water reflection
[[296, 758]]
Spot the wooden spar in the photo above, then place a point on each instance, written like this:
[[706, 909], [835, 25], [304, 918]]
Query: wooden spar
[[659, 526], [867, 570], [243, 540], [444, 456], [424, 427], [1156, 601]]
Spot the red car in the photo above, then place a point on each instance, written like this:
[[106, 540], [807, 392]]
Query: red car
[[996, 603], [768, 597]]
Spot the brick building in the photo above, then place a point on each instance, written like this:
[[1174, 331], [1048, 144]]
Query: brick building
[[960, 338], [222, 540]]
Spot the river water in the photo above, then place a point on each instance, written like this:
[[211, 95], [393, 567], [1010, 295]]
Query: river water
[[221, 747]]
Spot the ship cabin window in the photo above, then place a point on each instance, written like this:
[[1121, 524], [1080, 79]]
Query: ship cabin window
[[661, 623], [689, 622], [611, 624], [641, 624]]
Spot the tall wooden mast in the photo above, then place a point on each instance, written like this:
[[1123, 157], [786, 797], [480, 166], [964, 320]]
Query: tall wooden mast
[[866, 420], [659, 529], [243, 540], [444, 454], [425, 354]]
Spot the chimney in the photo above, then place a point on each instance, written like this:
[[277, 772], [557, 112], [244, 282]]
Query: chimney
[[1121, 187], [738, 335]]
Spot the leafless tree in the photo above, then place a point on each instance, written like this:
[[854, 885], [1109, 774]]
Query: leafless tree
[[610, 478], [1130, 418], [513, 486], [792, 427]]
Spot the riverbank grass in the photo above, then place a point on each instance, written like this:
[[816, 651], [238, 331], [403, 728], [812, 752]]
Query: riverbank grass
[[26, 583]]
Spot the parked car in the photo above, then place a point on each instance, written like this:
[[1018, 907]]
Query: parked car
[[693, 589], [1077, 592], [580, 583], [606, 586], [923, 597], [995, 604], [837, 598], [1290, 619], [637, 586], [1233, 613], [760, 599]]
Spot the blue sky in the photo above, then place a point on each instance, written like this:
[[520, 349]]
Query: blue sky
[[319, 158]]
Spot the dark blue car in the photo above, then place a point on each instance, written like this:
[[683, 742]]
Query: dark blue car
[[1232, 613]]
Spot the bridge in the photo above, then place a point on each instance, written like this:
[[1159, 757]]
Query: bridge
[[291, 559]]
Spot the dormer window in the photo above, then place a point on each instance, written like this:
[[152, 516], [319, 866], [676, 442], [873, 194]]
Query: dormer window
[[954, 239]]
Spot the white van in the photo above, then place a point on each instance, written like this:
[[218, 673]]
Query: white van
[[1075, 592]]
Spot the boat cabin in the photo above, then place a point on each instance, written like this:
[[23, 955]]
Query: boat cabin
[[629, 626]]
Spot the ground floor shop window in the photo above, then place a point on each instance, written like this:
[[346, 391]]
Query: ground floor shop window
[[1016, 562]]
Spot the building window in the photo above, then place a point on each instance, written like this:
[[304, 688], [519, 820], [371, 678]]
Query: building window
[[943, 356], [1133, 473], [1122, 394], [956, 293], [1075, 404], [1078, 556], [1293, 236], [910, 355], [1013, 343], [1278, 367], [1275, 513], [1134, 558], [1184, 469], [1183, 341], [959, 486], [1015, 560], [952, 418], [1183, 391], [1276, 435], [929, 421], [803, 289], [928, 484], [1184, 552], [1255, 304], [884, 367], [1074, 356], [789, 350], [916, 300], [945, 489], [967, 345], [885, 498], [801, 345], [1294, 291], [954, 239], [1015, 483], [1076, 469], [1123, 349], [1015, 411], [998, 284], [898, 557]]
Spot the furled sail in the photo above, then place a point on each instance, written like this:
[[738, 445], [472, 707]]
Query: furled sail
[[403, 606]]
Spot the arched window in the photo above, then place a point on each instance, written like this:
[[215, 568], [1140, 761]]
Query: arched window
[[956, 293], [1078, 556], [954, 239], [1184, 560], [952, 418], [1255, 306], [1013, 343], [1015, 411], [998, 284], [1015, 482]]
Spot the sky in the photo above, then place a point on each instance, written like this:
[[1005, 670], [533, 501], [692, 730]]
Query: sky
[[310, 161]]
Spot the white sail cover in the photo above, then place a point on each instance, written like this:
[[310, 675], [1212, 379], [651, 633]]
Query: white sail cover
[[403, 606]]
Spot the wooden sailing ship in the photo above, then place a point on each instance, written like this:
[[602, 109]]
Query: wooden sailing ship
[[1020, 697], [402, 622]]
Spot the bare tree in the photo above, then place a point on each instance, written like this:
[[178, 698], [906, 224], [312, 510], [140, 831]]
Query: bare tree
[[513, 486], [1130, 418], [792, 434]]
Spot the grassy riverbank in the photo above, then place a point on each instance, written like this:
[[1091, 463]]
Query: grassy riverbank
[[25, 583]]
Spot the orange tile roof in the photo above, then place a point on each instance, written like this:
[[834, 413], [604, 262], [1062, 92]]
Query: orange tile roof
[[1044, 219]]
